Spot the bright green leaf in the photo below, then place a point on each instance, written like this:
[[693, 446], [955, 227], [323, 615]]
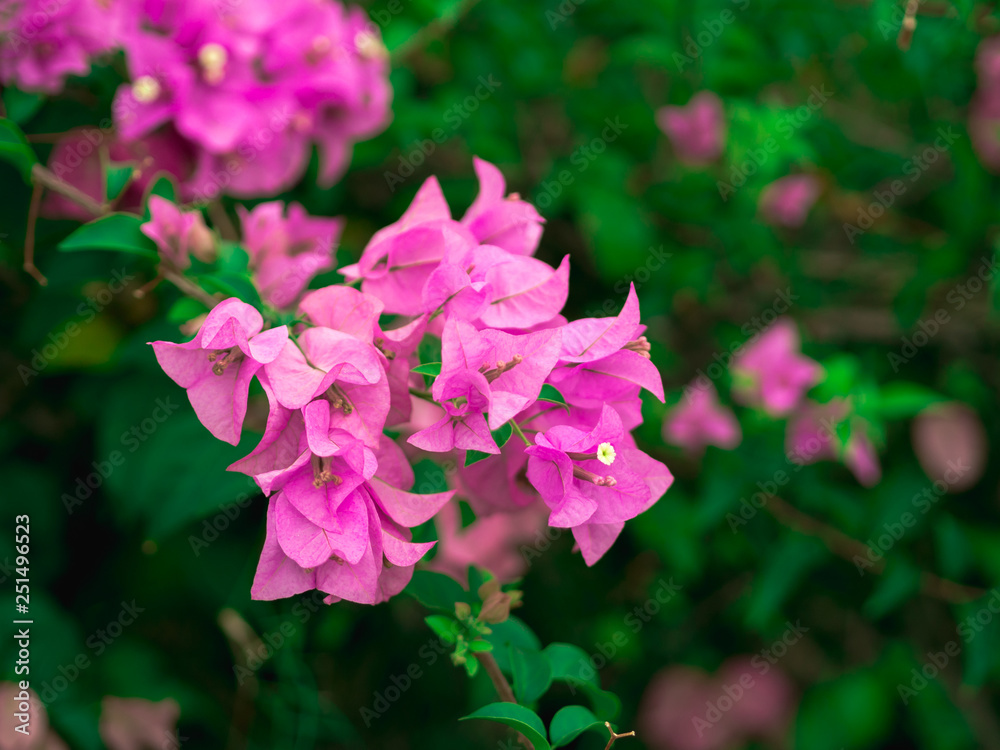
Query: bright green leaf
[[430, 368], [524, 720], [532, 674], [570, 722], [116, 179], [435, 590], [551, 394], [444, 627], [116, 232], [15, 149]]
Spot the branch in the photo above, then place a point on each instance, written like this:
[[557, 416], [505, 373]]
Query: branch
[[501, 685], [43, 176], [844, 546]]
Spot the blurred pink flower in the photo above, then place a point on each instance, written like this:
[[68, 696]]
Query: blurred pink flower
[[951, 444], [812, 436], [178, 234], [490, 542], [786, 201], [772, 372], [44, 41], [685, 708], [984, 109], [138, 724], [697, 130], [700, 420]]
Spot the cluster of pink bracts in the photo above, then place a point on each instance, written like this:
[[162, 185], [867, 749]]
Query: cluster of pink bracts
[[226, 95], [340, 512]]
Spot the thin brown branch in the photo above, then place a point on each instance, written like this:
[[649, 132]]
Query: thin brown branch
[[43, 176], [501, 685], [190, 288], [850, 549], [29, 236], [222, 222]]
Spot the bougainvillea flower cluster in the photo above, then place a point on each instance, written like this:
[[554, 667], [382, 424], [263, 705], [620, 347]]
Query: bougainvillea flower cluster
[[537, 411], [242, 90]]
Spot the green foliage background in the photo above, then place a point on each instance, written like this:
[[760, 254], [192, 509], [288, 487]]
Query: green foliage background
[[560, 73]]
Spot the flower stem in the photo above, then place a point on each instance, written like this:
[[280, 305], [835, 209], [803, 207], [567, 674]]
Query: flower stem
[[501, 685], [517, 431]]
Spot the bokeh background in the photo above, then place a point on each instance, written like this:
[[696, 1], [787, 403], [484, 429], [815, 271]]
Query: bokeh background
[[832, 91]]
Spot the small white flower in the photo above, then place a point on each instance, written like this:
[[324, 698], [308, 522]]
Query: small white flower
[[606, 454]]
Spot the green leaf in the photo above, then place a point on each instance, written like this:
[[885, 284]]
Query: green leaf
[[551, 394], [570, 722], [20, 105], [444, 627], [480, 646], [185, 309], [511, 632], [116, 232], [430, 368], [14, 148], [502, 434], [435, 590], [901, 399], [524, 720], [900, 582], [474, 457], [532, 674], [570, 663], [116, 179], [232, 285]]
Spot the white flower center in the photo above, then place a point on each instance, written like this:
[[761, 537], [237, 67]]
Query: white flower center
[[146, 89], [606, 454]]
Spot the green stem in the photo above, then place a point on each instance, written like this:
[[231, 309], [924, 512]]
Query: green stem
[[517, 431]]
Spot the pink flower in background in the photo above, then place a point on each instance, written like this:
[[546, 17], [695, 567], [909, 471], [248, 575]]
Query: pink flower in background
[[44, 42], [492, 542], [984, 109], [813, 435], [216, 367], [286, 253], [697, 130], [252, 86], [138, 724], [951, 444], [772, 373], [700, 420], [786, 201], [178, 234], [681, 708]]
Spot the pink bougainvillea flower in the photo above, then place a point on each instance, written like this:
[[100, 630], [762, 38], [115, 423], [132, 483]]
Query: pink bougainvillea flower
[[135, 723], [984, 109], [485, 370], [697, 130], [178, 234], [594, 481], [216, 367], [504, 221], [772, 372], [253, 89], [813, 434], [951, 445], [786, 201], [700, 420], [361, 552], [345, 372], [287, 252], [44, 42]]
